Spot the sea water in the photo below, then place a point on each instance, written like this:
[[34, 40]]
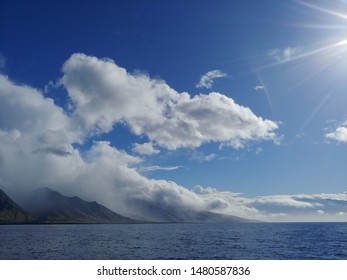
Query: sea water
[[244, 241]]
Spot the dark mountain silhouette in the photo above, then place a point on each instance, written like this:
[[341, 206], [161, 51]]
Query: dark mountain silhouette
[[49, 206], [11, 212]]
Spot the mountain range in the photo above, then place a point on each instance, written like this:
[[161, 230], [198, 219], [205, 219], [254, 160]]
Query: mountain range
[[46, 206]]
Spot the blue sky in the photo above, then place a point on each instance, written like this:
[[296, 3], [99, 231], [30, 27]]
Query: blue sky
[[239, 104]]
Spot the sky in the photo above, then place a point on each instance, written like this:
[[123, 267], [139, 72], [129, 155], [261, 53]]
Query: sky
[[236, 107]]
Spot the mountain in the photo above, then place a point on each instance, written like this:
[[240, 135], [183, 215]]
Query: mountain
[[50, 206], [11, 212]]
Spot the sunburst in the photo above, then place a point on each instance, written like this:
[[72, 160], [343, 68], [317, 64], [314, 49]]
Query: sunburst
[[327, 55], [336, 45]]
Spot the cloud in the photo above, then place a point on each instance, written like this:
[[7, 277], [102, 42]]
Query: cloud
[[324, 196], [156, 167], [234, 203], [145, 149], [259, 87], [282, 200], [339, 134], [26, 110], [102, 173], [37, 149], [258, 151], [284, 55], [302, 207], [38, 143], [200, 156], [206, 80], [342, 214], [103, 94]]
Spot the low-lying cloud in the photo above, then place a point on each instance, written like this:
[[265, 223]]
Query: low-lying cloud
[[301, 207]]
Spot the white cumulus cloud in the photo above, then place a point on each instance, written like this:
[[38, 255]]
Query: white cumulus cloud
[[37, 141], [339, 134], [37, 137], [102, 94], [145, 149], [44, 156]]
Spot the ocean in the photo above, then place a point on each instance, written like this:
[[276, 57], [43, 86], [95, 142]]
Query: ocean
[[249, 241]]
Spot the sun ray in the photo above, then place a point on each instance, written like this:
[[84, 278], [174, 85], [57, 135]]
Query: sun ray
[[314, 113], [319, 26], [266, 90], [306, 54], [321, 9]]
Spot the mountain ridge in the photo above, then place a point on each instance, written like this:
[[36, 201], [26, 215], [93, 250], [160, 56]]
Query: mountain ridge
[[11, 212], [47, 206]]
